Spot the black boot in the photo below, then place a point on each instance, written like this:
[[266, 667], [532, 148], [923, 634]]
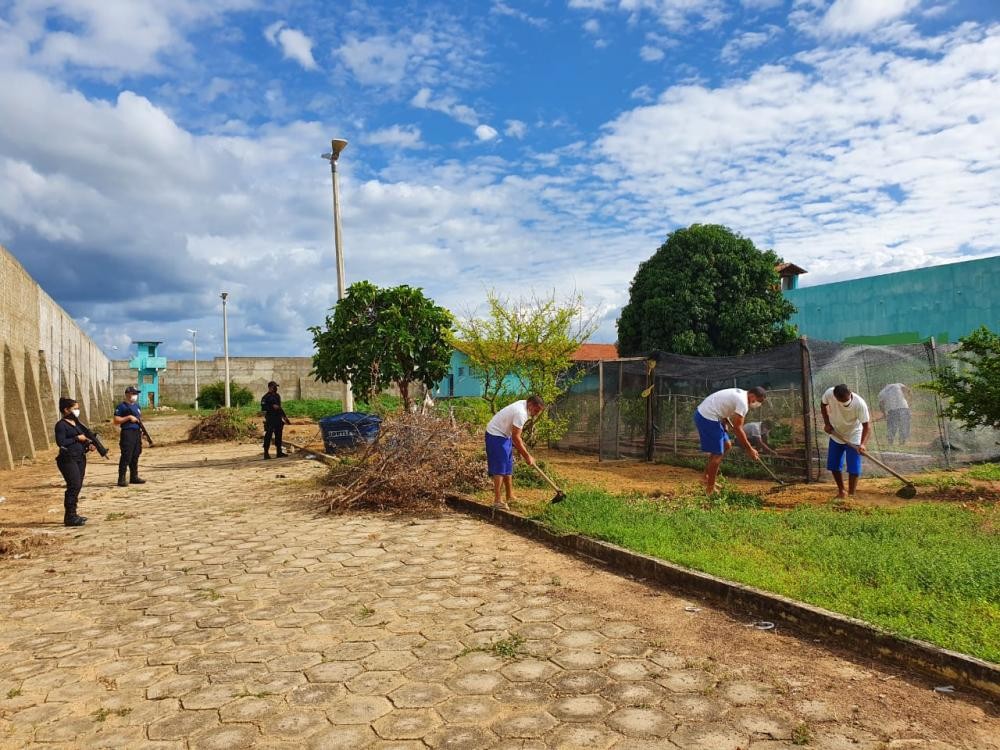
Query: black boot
[[136, 480], [121, 481], [73, 520], [267, 456]]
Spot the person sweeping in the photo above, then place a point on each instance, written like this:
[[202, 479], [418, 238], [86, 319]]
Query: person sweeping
[[503, 437], [728, 405]]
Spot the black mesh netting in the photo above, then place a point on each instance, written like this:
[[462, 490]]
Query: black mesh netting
[[643, 408]]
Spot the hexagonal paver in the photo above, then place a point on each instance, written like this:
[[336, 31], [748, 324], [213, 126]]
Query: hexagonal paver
[[686, 680], [641, 693], [711, 736], [579, 683], [538, 630], [352, 651], [345, 737], [632, 669], [316, 694], [580, 639], [580, 659], [476, 683], [419, 695], [334, 671], [461, 738], [529, 670], [407, 724], [247, 709], [389, 660], [582, 737], [469, 709], [536, 614], [580, 708], [182, 725], [375, 683], [294, 662], [641, 722], [225, 738], [525, 693], [524, 726], [358, 709]]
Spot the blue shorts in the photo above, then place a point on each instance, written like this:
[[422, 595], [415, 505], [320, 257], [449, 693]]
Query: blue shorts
[[837, 452], [712, 434], [499, 455]]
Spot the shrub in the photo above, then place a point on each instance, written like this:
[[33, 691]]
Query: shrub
[[223, 424], [213, 396], [314, 408]]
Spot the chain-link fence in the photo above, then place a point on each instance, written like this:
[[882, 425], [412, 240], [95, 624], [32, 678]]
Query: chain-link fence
[[643, 408]]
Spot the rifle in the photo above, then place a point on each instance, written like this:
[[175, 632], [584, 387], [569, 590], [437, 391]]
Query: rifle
[[92, 439], [145, 432]]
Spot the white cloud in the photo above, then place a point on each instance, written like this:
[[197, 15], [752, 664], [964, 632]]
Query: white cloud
[[515, 129], [675, 15], [500, 8], [109, 38], [294, 44], [735, 47], [395, 136], [761, 4], [592, 26], [486, 133], [651, 54], [858, 16], [448, 105], [376, 61], [846, 162]]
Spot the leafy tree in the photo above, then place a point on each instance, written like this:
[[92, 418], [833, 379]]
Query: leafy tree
[[530, 342], [213, 395], [379, 337], [706, 292], [972, 390]]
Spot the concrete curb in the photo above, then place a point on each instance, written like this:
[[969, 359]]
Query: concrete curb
[[950, 667]]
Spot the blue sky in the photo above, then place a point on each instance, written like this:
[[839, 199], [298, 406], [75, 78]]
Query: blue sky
[[157, 152]]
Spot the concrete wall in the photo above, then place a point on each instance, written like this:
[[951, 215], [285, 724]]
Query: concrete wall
[[45, 355], [177, 381], [946, 302]]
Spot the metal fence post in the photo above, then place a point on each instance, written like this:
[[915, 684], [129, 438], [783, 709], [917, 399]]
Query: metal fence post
[[600, 410], [807, 420], [942, 422]]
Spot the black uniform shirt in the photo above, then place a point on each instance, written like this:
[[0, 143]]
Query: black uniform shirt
[[267, 405], [66, 438]]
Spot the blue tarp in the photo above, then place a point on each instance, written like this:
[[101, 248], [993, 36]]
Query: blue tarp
[[348, 430]]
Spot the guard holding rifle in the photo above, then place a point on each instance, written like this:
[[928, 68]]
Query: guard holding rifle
[[128, 417], [75, 440], [274, 419]]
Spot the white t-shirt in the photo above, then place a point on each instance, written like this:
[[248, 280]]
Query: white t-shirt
[[724, 404], [893, 397], [751, 429], [509, 417], [846, 418]]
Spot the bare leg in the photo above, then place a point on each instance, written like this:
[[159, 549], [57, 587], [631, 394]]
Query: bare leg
[[838, 477], [508, 486], [712, 471], [852, 484], [497, 481]]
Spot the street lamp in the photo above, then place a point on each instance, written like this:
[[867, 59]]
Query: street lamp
[[194, 345], [336, 146], [225, 342]]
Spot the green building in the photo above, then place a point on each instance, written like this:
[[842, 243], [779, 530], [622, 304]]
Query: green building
[[908, 307]]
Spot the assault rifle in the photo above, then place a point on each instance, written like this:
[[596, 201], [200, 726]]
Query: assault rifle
[[145, 432]]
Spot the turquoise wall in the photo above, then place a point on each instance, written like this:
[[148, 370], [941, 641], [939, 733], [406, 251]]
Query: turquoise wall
[[908, 307], [460, 382]]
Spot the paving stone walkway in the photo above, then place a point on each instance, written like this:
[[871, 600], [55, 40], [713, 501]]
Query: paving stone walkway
[[209, 609]]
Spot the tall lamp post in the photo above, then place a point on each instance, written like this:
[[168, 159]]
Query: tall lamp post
[[225, 342], [194, 345], [336, 146]]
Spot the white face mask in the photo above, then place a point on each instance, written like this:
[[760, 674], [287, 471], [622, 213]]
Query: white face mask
[[75, 412], [756, 405], [133, 398]]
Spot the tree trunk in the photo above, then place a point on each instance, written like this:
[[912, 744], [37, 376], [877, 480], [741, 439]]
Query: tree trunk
[[404, 391]]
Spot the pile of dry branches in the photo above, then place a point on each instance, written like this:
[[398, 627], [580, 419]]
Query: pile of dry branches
[[221, 425], [412, 465], [18, 543]]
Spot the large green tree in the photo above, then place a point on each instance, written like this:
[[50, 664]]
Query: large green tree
[[380, 337], [706, 292], [973, 389]]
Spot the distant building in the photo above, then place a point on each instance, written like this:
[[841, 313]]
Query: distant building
[[149, 366], [463, 381], [946, 301]]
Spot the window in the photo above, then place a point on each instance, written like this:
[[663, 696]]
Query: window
[[461, 371]]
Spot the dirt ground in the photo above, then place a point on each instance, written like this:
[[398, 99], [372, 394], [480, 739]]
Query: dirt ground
[[845, 701]]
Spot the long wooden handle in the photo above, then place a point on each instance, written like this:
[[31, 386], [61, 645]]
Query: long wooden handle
[[874, 460], [545, 477]]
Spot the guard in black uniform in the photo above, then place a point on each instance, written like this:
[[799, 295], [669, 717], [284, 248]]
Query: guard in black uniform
[[75, 440], [274, 419], [127, 416]]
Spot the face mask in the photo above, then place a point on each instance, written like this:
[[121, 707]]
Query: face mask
[[133, 398], [75, 412], [756, 405]]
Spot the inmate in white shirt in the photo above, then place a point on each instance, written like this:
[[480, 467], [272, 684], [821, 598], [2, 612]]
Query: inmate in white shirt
[[509, 417], [846, 418], [893, 397], [724, 404]]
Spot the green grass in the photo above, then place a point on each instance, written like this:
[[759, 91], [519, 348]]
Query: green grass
[[985, 472], [926, 571], [314, 408]]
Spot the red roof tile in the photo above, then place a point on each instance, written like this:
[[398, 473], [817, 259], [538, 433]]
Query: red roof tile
[[595, 352]]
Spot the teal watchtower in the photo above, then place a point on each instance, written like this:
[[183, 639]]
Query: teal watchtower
[[149, 366]]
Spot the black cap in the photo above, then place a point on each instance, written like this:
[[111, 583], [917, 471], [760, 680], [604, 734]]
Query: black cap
[[272, 384], [131, 389]]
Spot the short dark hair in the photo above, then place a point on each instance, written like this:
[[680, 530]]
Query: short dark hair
[[841, 391], [65, 402], [759, 392], [536, 400], [272, 384]]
